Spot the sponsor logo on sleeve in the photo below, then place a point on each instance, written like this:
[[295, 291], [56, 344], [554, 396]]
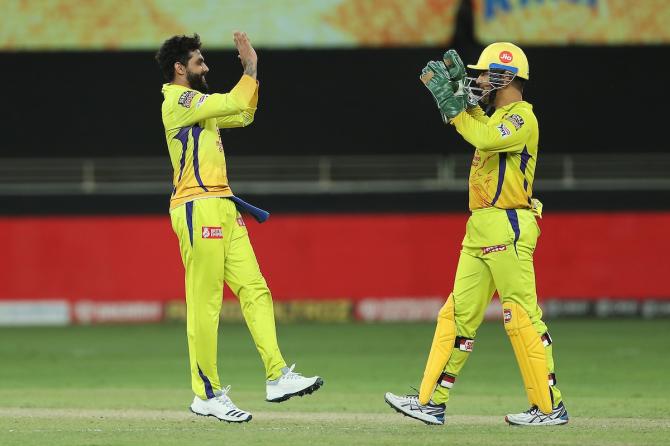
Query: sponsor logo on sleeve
[[212, 232], [186, 98], [516, 120], [201, 100], [240, 221], [496, 248], [507, 315], [504, 131]]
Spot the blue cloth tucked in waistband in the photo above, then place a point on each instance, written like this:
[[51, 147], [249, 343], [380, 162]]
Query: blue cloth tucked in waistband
[[259, 214]]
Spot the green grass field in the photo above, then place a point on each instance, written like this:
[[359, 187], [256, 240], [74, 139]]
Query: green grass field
[[123, 385]]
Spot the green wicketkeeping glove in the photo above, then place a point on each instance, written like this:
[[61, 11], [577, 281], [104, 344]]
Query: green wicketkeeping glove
[[454, 64], [453, 106], [436, 79], [457, 74]]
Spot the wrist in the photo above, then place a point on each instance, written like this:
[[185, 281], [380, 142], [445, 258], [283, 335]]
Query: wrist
[[250, 69]]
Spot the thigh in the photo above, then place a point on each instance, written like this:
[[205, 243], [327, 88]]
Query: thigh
[[513, 270], [241, 267], [201, 241], [198, 225], [473, 289]]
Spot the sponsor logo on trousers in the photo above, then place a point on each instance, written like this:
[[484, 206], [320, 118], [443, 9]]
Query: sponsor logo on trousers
[[507, 315], [212, 232], [496, 248]]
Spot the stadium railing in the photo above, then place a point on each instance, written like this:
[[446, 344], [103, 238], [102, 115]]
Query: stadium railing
[[326, 174]]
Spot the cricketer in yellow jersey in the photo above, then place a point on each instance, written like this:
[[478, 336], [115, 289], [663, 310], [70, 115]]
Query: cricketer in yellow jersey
[[213, 238], [501, 235]]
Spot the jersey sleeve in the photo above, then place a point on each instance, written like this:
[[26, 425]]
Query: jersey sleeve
[[242, 119], [478, 113], [193, 106], [500, 135]]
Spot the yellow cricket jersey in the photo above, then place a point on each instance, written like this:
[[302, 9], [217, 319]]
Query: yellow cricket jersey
[[503, 167], [192, 121]]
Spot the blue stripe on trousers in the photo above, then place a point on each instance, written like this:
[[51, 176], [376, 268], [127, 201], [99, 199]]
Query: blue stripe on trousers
[[514, 221], [189, 220], [208, 385]]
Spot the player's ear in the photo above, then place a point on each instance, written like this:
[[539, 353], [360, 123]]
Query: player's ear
[[179, 68]]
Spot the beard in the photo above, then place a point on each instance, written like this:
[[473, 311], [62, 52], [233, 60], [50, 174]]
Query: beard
[[197, 82], [487, 97]]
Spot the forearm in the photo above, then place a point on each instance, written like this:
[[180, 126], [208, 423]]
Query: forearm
[[478, 114], [250, 69], [240, 120], [243, 119], [486, 136]]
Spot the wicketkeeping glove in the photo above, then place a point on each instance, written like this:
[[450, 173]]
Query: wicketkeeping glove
[[457, 74], [454, 65], [436, 78]]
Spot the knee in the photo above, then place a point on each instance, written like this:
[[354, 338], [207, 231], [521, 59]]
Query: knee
[[254, 291]]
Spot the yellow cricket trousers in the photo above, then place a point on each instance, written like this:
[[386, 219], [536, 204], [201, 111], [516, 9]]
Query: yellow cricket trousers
[[215, 247], [497, 254]]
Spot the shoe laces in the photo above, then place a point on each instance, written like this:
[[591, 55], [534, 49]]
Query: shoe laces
[[414, 398], [290, 374], [224, 399], [532, 411]]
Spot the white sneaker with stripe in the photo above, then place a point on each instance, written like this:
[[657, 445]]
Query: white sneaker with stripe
[[221, 407], [291, 384], [409, 405], [534, 417]]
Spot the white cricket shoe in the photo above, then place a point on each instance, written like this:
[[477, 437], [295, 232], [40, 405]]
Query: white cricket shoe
[[409, 405], [535, 417], [220, 407], [290, 384]]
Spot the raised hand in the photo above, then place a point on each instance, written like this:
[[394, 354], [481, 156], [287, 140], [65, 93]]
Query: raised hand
[[247, 54], [457, 74], [454, 64], [447, 94]]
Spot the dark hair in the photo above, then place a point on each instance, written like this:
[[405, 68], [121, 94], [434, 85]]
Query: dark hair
[[176, 49], [520, 83]]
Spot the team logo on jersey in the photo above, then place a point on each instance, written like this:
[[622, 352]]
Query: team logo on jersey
[[504, 131], [186, 98], [212, 232], [507, 315], [516, 120], [240, 221], [496, 248], [505, 57]]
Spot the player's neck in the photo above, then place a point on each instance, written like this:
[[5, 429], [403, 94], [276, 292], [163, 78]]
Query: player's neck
[[180, 81], [506, 96]]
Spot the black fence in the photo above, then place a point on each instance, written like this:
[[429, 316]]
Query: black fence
[[365, 101]]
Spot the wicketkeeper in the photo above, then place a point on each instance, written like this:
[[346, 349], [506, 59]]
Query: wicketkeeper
[[500, 238]]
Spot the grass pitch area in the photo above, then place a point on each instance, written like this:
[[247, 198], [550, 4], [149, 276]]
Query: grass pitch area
[[129, 385]]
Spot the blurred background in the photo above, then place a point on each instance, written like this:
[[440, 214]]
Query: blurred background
[[366, 186]]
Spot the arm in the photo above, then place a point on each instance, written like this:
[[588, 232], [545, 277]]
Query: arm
[[243, 119], [247, 53], [193, 106], [478, 114], [492, 136], [196, 107]]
